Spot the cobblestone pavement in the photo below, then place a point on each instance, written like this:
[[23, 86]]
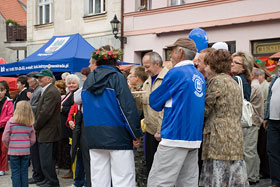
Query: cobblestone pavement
[[263, 183], [5, 181]]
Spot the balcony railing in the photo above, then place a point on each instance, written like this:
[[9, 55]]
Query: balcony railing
[[16, 33]]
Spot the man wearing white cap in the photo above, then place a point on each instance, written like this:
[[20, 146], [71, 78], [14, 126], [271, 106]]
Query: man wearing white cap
[[220, 45]]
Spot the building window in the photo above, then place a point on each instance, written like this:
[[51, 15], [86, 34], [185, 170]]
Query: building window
[[44, 11], [177, 2], [95, 6], [145, 5], [167, 53]]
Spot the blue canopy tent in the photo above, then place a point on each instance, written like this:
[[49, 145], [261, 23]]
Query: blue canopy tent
[[60, 54]]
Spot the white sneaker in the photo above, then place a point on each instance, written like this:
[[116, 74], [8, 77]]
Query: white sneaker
[[2, 173]]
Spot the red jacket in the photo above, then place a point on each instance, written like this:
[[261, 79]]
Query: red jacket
[[73, 110], [6, 112]]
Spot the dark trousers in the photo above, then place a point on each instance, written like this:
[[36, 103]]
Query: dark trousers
[[63, 158], [273, 150], [47, 160], [19, 167], [85, 155], [79, 180], [264, 165], [35, 159], [151, 145]]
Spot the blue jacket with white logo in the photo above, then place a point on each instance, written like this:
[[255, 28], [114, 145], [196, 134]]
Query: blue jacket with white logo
[[181, 94], [110, 115]]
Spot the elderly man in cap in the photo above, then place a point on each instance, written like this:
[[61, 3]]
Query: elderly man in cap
[[37, 175], [47, 127], [181, 95]]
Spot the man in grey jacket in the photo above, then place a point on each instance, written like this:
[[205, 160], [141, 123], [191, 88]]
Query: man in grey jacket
[[37, 175], [34, 84], [251, 136]]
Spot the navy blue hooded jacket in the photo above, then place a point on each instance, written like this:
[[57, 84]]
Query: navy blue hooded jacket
[[110, 115]]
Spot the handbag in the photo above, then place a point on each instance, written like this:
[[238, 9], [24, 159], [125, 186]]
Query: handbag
[[247, 108]]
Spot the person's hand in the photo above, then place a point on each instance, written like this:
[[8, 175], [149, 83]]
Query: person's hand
[[265, 124], [72, 125], [157, 136], [29, 94], [136, 142]]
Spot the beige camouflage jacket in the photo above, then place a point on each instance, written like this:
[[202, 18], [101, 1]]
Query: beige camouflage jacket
[[222, 134], [152, 118]]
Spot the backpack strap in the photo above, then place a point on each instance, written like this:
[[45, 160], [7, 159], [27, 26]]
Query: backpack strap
[[240, 85]]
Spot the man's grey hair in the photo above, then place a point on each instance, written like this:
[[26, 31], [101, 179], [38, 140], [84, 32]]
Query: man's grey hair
[[188, 54], [64, 75], [255, 71], [33, 78], [154, 57], [261, 72]]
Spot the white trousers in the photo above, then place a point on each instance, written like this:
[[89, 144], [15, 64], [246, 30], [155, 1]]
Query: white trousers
[[174, 166], [112, 165]]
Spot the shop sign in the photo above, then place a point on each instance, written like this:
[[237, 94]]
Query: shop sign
[[266, 48]]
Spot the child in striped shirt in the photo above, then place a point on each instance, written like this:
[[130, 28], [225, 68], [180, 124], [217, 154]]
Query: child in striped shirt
[[18, 137]]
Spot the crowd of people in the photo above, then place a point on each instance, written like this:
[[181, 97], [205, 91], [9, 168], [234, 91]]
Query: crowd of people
[[157, 127]]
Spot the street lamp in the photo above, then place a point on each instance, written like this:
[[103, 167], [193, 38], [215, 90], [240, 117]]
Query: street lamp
[[115, 23]]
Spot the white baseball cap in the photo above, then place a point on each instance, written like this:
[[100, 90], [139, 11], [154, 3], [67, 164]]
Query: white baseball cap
[[220, 45]]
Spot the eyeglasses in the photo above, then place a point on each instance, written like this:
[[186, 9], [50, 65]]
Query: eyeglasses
[[237, 62], [130, 75]]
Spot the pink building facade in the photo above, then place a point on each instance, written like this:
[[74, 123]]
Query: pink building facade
[[247, 25]]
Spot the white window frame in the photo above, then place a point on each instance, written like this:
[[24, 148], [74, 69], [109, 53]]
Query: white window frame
[[93, 7], [43, 4]]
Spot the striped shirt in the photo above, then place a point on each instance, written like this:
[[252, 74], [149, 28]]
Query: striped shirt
[[18, 138]]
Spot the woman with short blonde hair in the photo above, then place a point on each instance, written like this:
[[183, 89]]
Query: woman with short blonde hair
[[242, 66], [73, 77]]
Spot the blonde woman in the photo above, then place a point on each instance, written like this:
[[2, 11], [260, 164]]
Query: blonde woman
[[21, 125]]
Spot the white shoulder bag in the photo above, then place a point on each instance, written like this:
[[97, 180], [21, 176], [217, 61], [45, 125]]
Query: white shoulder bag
[[247, 108]]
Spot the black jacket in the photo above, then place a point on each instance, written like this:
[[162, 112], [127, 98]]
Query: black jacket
[[22, 96], [246, 86]]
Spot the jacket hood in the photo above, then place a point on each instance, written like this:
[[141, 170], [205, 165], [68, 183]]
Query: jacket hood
[[9, 99], [98, 80]]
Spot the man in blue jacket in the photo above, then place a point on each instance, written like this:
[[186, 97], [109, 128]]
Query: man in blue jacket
[[181, 95], [112, 124]]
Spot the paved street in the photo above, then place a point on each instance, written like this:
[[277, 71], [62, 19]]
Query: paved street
[[263, 183], [5, 181]]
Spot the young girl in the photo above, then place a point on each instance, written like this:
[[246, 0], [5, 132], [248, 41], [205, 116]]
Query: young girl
[[18, 136]]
